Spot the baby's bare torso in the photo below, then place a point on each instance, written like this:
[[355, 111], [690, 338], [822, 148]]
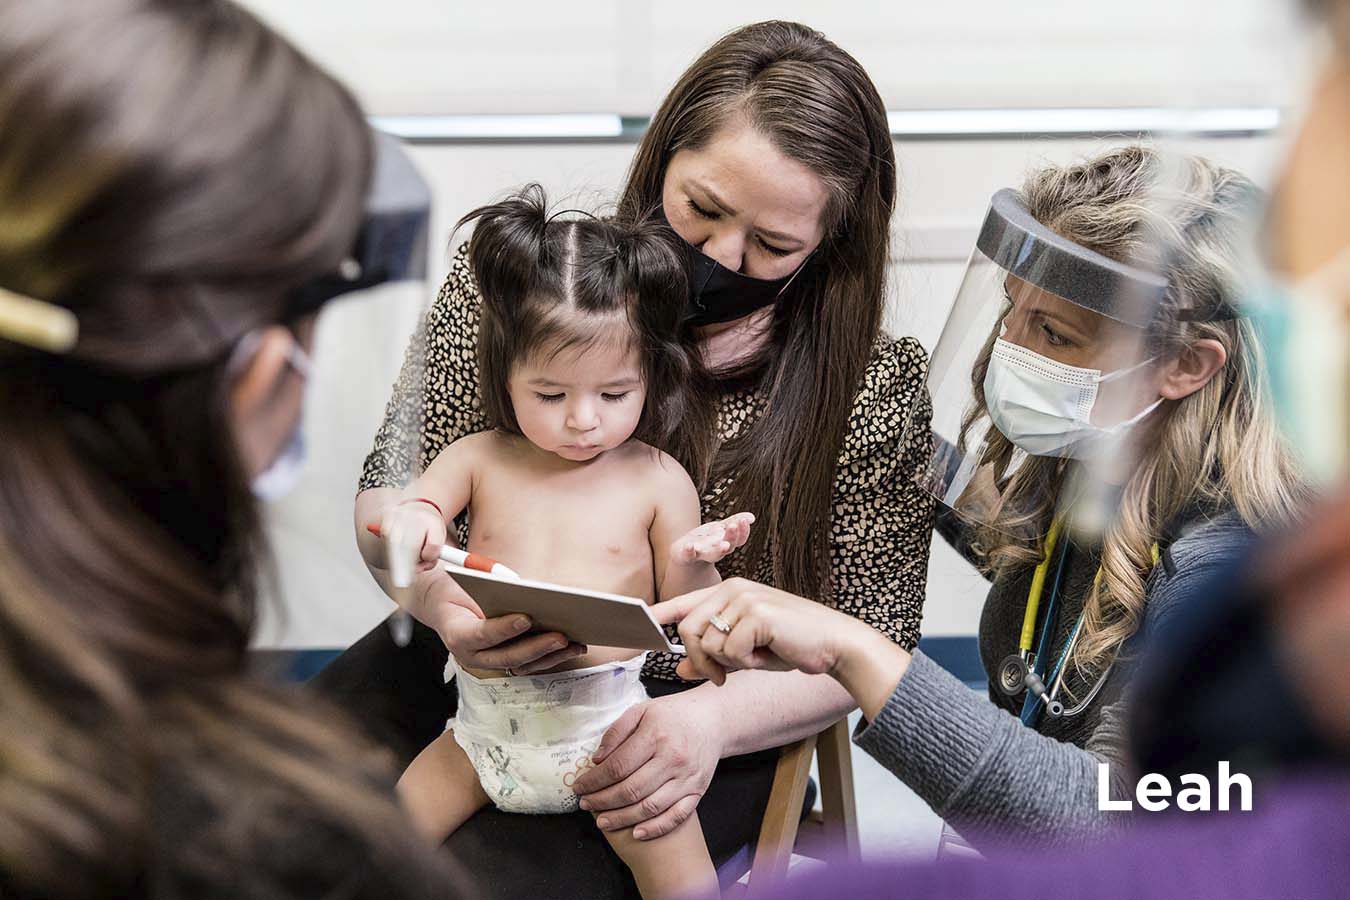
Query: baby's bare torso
[[585, 525]]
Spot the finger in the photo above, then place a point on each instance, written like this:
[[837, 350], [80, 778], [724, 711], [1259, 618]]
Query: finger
[[691, 633], [668, 612], [739, 535], [686, 670], [631, 791], [556, 658], [402, 549], [748, 647], [489, 633], [643, 809], [432, 542], [521, 652], [668, 821], [711, 645], [745, 637], [620, 731], [625, 759]]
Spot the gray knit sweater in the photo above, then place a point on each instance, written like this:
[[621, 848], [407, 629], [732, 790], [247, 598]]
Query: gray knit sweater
[[989, 776]]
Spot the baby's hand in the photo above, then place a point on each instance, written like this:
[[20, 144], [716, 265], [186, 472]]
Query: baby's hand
[[414, 534], [711, 542]]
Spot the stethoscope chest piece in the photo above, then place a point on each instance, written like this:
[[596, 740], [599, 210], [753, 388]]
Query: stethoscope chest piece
[[1012, 674]]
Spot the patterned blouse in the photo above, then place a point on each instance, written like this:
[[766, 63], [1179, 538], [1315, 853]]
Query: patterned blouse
[[882, 522]]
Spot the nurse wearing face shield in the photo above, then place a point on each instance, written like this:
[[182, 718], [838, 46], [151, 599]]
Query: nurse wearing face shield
[[1101, 442]]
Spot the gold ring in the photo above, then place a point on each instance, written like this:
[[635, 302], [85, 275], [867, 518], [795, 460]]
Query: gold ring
[[719, 623]]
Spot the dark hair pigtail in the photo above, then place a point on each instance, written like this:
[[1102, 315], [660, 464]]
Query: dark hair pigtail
[[508, 249], [511, 259]]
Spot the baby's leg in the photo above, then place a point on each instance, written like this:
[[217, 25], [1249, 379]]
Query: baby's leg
[[440, 790], [675, 865]]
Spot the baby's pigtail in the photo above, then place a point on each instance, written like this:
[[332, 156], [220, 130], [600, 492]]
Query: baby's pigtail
[[508, 248]]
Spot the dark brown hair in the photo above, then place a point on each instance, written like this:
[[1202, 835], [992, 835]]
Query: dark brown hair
[[550, 283], [818, 107], [170, 171]]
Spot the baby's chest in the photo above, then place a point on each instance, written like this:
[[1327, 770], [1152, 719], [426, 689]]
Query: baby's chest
[[584, 534]]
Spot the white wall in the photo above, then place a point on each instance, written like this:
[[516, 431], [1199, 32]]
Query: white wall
[[620, 56], [416, 56]]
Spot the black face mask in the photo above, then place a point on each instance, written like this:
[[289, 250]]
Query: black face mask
[[717, 294]]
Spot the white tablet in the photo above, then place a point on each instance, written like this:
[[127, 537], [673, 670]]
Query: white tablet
[[587, 617]]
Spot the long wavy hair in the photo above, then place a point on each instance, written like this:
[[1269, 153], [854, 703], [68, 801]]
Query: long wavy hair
[[170, 171], [819, 108], [1215, 449]]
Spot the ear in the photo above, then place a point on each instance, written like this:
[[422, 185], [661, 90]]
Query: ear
[[258, 417], [1192, 369], [258, 375]]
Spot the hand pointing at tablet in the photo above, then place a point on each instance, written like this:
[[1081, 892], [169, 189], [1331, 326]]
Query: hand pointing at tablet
[[743, 625]]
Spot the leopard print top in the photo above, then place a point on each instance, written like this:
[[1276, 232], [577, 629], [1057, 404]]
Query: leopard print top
[[882, 522]]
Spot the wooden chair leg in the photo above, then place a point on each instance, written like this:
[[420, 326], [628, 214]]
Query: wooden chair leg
[[778, 834], [838, 805], [830, 833]]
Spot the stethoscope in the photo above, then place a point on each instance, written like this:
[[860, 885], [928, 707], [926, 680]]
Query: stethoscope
[[1024, 670]]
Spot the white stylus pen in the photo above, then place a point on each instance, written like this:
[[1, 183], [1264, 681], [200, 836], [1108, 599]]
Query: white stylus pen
[[464, 559]]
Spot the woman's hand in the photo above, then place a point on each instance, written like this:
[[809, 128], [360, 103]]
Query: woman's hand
[[500, 643], [768, 629], [653, 766]]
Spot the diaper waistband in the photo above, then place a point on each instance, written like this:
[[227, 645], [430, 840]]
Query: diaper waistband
[[627, 665], [601, 685], [546, 709]]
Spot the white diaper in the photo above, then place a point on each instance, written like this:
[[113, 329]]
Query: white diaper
[[530, 736]]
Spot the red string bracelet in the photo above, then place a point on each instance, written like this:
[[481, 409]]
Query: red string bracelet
[[432, 503]]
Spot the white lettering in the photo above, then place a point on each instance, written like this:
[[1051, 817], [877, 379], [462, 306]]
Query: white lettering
[[1153, 791], [1196, 793], [1104, 801], [1226, 782], [1196, 797]]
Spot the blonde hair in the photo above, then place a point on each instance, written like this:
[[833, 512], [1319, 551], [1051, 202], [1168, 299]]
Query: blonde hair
[[1216, 448]]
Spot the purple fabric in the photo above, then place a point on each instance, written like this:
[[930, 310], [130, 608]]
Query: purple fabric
[[1293, 846]]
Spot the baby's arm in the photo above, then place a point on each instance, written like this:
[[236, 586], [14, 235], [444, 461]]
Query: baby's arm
[[448, 484], [686, 553]]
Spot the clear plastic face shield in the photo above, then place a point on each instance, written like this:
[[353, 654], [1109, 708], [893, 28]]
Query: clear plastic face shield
[[1041, 377]]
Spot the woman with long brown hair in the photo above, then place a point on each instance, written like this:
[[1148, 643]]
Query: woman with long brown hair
[[771, 158], [177, 183]]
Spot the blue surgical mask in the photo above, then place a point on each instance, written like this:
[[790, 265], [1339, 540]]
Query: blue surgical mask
[[281, 476], [1305, 333]]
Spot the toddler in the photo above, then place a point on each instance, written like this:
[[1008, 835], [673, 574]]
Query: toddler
[[581, 365]]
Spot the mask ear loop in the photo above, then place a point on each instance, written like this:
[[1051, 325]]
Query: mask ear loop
[[1121, 373], [799, 271], [243, 351]]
